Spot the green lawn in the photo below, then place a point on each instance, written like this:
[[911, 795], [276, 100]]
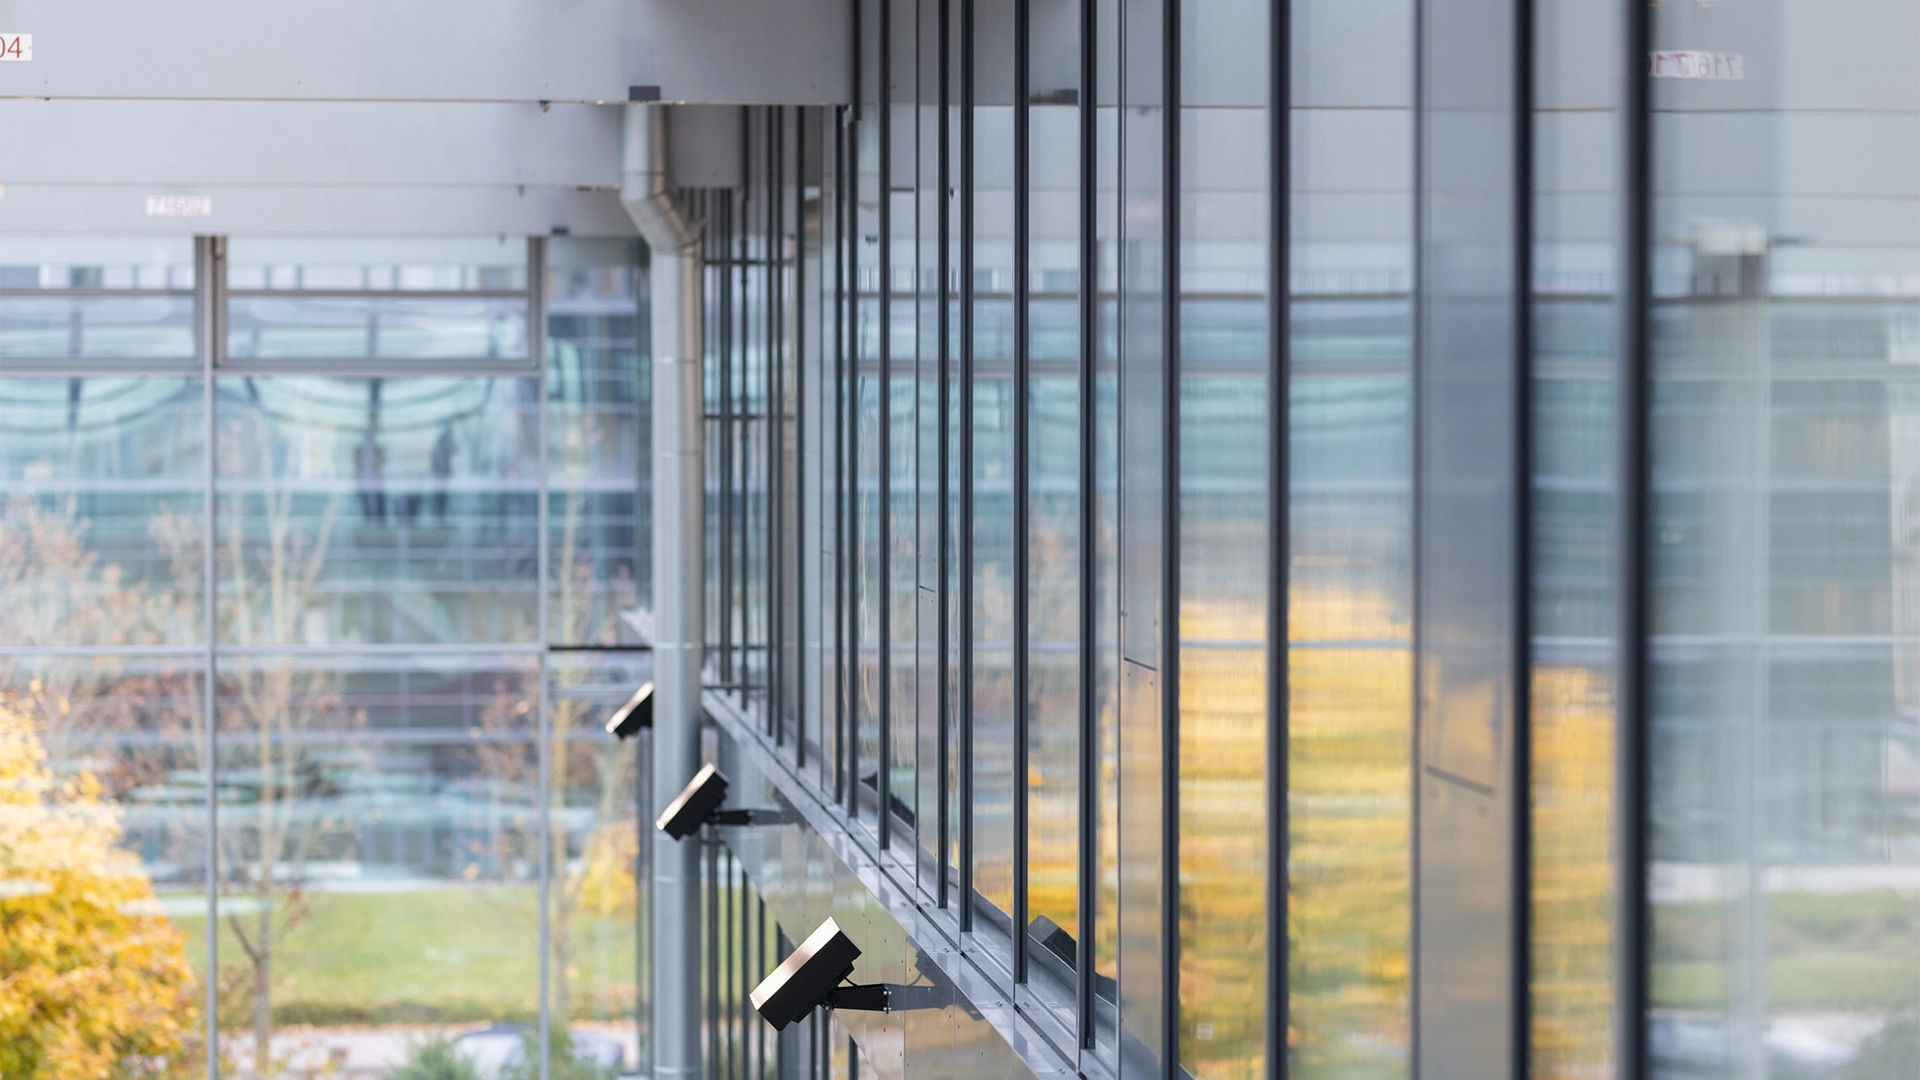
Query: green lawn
[[444, 955], [1848, 951]]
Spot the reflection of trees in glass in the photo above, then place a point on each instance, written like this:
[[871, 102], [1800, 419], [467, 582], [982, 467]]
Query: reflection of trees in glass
[[97, 980], [1348, 918], [274, 789], [1572, 872], [598, 880]]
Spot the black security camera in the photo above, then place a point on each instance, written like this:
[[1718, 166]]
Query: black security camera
[[699, 804], [814, 975], [637, 713]]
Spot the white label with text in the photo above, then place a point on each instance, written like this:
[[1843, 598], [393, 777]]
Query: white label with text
[[15, 48], [179, 205], [1693, 64]]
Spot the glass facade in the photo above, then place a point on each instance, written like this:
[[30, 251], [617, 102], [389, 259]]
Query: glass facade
[[1338, 539], [1400, 508], [274, 600]]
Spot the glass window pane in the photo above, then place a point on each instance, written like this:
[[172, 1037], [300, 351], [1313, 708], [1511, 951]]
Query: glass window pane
[[1224, 537], [101, 531], [96, 262], [1574, 552], [599, 448], [377, 264], [1054, 551], [355, 328], [1350, 514], [1783, 745], [595, 838], [993, 464], [121, 327], [104, 841], [378, 510], [378, 847]]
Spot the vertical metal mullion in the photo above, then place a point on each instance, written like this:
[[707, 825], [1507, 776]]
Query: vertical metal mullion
[[800, 355], [854, 541], [1170, 566], [728, 1020], [710, 838], [1521, 926], [944, 352], [966, 463], [1279, 518], [1022, 478], [742, 409], [1632, 789], [883, 780], [209, 291], [1089, 776], [723, 608], [760, 964], [746, 951], [537, 345], [771, 412], [842, 423]]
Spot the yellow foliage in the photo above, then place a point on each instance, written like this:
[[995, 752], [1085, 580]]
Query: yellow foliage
[[94, 981], [606, 882]]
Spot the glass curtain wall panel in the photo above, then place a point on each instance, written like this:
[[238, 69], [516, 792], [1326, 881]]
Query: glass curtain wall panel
[[952, 344], [1470, 639], [994, 402], [1574, 353], [1349, 619], [1054, 547], [1148, 746], [1785, 862], [104, 302], [814, 435], [599, 446], [378, 846], [310, 299], [377, 510], [901, 410], [1225, 547], [101, 530], [870, 413], [929, 819], [831, 287], [1105, 542], [597, 884], [104, 839], [789, 526]]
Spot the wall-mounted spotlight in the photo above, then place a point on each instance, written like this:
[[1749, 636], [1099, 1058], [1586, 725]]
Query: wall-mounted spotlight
[[814, 975], [637, 713], [699, 804]]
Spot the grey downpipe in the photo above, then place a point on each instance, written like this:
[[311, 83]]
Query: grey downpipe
[[679, 410]]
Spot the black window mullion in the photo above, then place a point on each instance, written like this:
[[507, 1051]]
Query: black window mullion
[[966, 463], [883, 779], [800, 356], [1279, 493], [1170, 552], [1633, 526], [851, 669], [1089, 853], [943, 328], [1022, 480], [842, 434], [723, 608]]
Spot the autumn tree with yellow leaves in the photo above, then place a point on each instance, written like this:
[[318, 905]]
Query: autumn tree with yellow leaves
[[94, 981]]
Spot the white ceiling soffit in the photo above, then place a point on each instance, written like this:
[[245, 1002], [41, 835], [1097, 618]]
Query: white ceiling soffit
[[712, 51], [243, 167]]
